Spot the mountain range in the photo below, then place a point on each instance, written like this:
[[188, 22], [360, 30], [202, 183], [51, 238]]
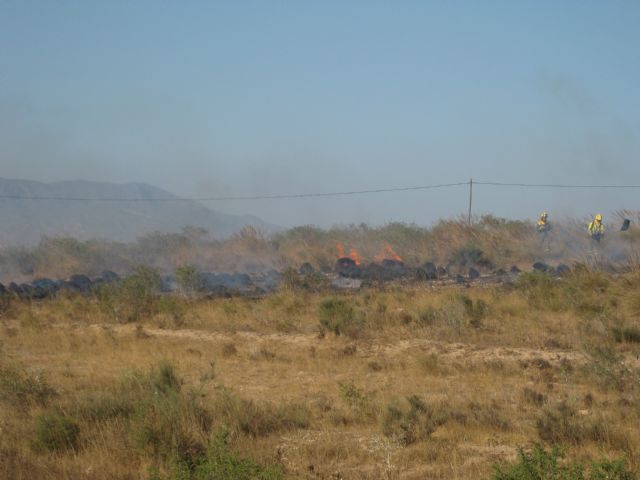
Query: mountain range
[[31, 210]]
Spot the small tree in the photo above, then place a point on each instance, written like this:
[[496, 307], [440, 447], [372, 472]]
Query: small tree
[[189, 279], [133, 298]]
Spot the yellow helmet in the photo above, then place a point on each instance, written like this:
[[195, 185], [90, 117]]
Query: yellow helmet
[[598, 217]]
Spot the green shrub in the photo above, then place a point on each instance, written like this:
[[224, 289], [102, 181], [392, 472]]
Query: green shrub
[[356, 399], [469, 256], [534, 397], [540, 464], [626, 334], [431, 365], [173, 308], [293, 280], [459, 311], [475, 311], [220, 463], [562, 424], [21, 389], [167, 422], [132, 298], [189, 279], [174, 428], [428, 316], [410, 421], [542, 291], [339, 317], [259, 420], [264, 420], [608, 368], [102, 406], [487, 414], [5, 302], [56, 432], [581, 292]]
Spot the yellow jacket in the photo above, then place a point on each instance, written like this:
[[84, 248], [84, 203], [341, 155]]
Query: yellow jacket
[[543, 226], [596, 228]]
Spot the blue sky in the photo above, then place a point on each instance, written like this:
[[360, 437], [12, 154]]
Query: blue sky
[[241, 98]]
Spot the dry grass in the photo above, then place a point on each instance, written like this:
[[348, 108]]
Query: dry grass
[[421, 382]]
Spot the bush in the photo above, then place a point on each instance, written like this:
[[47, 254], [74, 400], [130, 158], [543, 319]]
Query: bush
[[102, 406], [410, 421], [580, 292], [609, 369], [470, 256], [541, 291], [189, 279], [534, 397], [133, 298], [562, 424], [340, 317], [475, 311], [259, 420], [626, 334], [356, 399], [293, 280], [167, 422], [56, 432], [540, 464], [21, 389], [220, 463], [459, 311], [428, 316]]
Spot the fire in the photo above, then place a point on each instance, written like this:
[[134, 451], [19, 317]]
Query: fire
[[392, 254], [388, 253], [353, 254]]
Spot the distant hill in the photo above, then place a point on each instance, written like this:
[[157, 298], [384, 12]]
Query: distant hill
[[25, 222]]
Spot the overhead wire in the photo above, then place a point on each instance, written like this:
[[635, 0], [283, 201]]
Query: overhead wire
[[308, 195], [551, 185], [228, 198]]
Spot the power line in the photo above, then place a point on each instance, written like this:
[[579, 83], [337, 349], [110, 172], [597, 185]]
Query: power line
[[251, 197], [552, 185], [310, 195]]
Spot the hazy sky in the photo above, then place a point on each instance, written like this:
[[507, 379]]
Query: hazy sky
[[240, 97]]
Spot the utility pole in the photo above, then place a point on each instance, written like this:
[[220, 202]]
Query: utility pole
[[470, 197]]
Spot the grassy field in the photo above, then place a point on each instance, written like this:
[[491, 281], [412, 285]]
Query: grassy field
[[397, 382]]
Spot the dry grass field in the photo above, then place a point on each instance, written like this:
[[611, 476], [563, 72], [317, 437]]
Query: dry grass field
[[406, 381]]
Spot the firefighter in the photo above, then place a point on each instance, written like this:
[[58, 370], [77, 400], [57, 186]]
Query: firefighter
[[596, 228], [543, 227]]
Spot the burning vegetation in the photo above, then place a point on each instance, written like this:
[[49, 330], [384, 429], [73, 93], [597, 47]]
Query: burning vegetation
[[253, 262]]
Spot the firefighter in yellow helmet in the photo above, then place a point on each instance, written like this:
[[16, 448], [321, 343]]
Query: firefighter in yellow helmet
[[543, 227], [596, 228]]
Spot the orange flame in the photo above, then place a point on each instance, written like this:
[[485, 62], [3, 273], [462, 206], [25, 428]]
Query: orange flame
[[393, 254], [388, 253], [353, 254], [340, 249]]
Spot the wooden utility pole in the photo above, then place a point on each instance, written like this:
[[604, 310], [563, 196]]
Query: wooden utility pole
[[470, 197]]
